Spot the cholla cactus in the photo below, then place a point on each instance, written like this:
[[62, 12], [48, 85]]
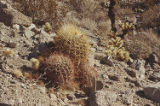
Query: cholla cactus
[[116, 50], [47, 27], [123, 55], [35, 63], [116, 42], [127, 26]]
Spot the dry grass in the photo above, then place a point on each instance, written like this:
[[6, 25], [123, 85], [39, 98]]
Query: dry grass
[[86, 7], [151, 17], [42, 10], [143, 44], [138, 49]]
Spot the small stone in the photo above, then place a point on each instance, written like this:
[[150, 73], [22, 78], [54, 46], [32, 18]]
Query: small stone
[[28, 33], [99, 85], [70, 97], [130, 61], [11, 44], [113, 77], [15, 26], [99, 56], [32, 26], [80, 95], [131, 72], [105, 76], [153, 58], [106, 61], [155, 77]]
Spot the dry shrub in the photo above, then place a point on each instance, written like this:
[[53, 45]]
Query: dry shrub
[[86, 7], [89, 24], [43, 10], [123, 13], [137, 49], [151, 17], [143, 44]]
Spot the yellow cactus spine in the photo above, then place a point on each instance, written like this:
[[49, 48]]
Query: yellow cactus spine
[[71, 41]]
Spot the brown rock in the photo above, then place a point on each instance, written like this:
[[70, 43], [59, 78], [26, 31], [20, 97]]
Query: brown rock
[[10, 16], [153, 92]]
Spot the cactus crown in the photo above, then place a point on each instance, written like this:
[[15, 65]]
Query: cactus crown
[[71, 41]]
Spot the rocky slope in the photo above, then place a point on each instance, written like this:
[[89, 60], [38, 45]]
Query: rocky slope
[[135, 83]]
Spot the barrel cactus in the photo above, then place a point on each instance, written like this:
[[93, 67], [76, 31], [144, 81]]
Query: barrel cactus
[[71, 41], [59, 69]]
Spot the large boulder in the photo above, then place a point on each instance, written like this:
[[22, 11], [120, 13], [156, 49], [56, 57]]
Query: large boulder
[[153, 92]]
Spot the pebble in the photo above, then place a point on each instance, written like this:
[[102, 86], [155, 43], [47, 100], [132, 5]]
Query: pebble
[[113, 77], [16, 26], [106, 61]]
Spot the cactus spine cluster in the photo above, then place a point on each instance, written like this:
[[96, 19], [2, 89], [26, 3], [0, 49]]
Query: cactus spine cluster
[[115, 48], [71, 41], [59, 69]]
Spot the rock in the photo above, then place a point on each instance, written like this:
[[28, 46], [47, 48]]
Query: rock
[[10, 16], [113, 77], [44, 37], [153, 92], [140, 65], [131, 72], [70, 97], [105, 97], [28, 34], [130, 61], [80, 94], [153, 58], [99, 56], [31, 27], [106, 61], [104, 76], [11, 44], [155, 76], [99, 85], [15, 26]]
